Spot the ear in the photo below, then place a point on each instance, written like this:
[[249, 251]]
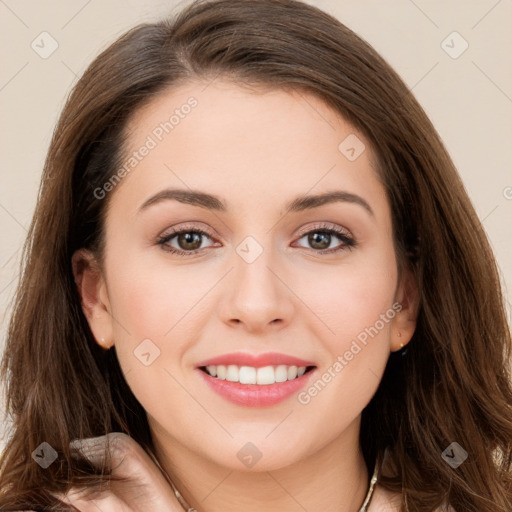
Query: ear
[[404, 322], [92, 289]]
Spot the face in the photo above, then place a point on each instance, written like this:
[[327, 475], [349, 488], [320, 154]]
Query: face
[[186, 279]]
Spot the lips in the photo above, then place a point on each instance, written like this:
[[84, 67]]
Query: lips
[[251, 394]]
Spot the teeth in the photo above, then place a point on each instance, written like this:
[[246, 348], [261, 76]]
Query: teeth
[[281, 373], [247, 375], [250, 375], [221, 372], [232, 373], [292, 372], [266, 375]]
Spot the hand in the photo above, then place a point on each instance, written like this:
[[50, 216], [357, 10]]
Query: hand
[[145, 487]]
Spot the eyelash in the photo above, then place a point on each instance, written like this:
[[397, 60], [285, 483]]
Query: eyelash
[[348, 242]]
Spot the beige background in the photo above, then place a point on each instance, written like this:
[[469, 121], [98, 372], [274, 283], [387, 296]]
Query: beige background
[[468, 98]]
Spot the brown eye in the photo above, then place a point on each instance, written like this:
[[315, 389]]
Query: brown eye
[[321, 237], [188, 241], [319, 240]]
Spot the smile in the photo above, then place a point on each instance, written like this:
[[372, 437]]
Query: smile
[[269, 392], [250, 375]]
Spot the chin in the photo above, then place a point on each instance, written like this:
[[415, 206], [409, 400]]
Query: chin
[[252, 454]]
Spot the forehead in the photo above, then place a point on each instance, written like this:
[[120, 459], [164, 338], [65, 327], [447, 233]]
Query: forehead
[[252, 147]]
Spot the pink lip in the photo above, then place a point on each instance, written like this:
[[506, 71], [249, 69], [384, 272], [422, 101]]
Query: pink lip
[[256, 361], [254, 395]]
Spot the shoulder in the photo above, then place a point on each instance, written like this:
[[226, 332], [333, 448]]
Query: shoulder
[[384, 500]]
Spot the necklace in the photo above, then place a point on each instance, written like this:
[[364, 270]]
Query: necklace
[[364, 507]]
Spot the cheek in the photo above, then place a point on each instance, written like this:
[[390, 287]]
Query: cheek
[[352, 340], [350, 298], [355, 305], [150, 339], [155, 301], [157, 310]]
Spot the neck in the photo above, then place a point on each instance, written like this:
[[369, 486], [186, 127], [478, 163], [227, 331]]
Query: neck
[[333, 479]]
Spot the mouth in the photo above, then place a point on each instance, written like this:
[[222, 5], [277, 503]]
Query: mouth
[[260, 376], [261, 385]]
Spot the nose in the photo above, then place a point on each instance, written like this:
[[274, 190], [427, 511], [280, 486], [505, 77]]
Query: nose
[[256, 296]]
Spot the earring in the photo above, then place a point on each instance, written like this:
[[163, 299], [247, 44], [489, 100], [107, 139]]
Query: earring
[[402, 345]]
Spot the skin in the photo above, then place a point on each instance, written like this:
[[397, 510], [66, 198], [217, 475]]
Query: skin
[[257, 150]]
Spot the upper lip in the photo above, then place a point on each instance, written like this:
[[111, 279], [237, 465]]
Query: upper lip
[[256, 361]]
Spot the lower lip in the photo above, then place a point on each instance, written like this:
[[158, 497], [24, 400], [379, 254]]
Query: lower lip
[[254, 395]]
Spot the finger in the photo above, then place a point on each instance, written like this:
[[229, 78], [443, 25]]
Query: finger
[[115, 446], [92, 448], [135, 467]]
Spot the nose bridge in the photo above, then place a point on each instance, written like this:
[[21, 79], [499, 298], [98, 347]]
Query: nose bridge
[[253, 262], [256, 295]]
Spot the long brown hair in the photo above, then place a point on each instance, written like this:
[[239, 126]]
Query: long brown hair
[[453, 384]]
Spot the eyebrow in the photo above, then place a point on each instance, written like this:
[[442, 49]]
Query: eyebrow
[[212, 202]]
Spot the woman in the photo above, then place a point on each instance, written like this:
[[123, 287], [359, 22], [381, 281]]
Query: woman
[[334, 338]]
